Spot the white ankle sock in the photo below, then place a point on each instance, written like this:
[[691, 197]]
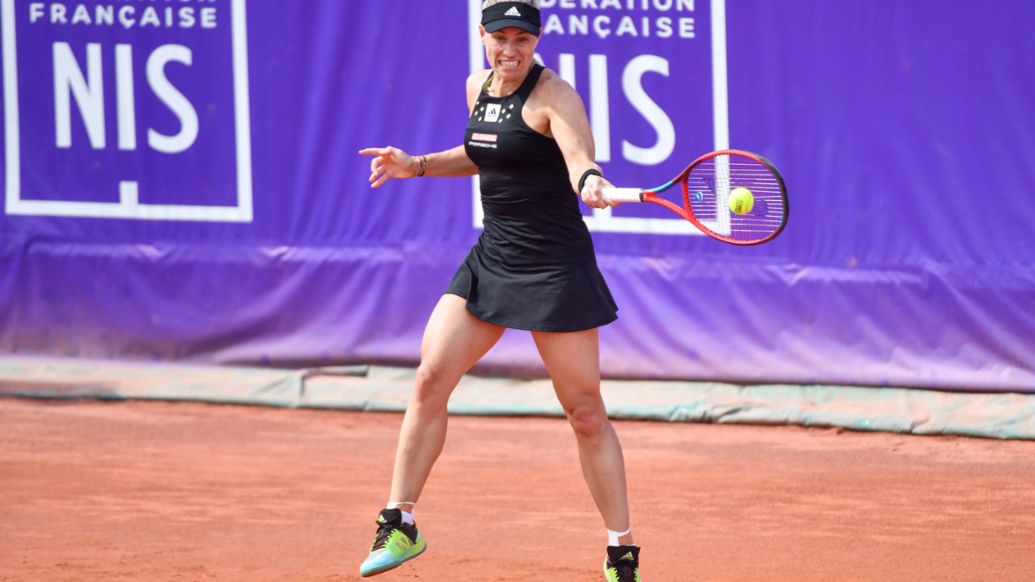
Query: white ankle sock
[[612, 536], [407, 516]]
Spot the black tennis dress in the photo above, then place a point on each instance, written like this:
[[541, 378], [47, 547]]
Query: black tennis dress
[[533, 267]]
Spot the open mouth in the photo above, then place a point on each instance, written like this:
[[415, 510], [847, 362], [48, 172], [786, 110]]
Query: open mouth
[[508, 64]]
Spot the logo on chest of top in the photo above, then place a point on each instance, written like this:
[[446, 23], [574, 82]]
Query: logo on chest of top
[[494, 112], [483, 140]]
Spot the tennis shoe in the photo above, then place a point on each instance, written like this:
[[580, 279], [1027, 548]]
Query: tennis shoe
[[395, 543], [622, 564]]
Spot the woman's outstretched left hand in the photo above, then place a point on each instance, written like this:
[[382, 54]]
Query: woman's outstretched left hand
[[390, 162]]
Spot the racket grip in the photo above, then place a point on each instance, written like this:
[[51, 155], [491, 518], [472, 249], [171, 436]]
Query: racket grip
[[623, 194]]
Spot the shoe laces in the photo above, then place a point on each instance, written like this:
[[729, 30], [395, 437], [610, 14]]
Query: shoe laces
[[625, 570], [384, 531]]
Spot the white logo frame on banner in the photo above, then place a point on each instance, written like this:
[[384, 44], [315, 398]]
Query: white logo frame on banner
[[129, 205]]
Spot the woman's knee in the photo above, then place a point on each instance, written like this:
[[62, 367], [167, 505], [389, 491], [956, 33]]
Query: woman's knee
[[588, 419], [433, 386]]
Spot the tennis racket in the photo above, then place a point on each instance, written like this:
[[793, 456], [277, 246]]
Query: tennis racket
[[733, 196]]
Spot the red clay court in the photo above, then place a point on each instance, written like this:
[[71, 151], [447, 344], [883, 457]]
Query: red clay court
[[188, 491]]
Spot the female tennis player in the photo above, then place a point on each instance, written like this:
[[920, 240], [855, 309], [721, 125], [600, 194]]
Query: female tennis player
[[533, 268]]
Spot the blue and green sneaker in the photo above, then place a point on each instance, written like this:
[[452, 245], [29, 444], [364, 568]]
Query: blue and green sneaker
[[622, 564], [395, 543]]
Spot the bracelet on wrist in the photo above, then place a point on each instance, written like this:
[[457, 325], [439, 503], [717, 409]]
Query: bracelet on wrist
[[423, 165], [586, 175]]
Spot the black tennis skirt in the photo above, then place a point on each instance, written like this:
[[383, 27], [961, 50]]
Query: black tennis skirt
[[554, 298]]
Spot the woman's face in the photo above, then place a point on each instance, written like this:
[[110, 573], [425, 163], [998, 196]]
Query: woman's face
[[509, 52]]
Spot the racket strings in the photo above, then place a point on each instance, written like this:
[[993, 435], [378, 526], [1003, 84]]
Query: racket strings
[[707, 192]]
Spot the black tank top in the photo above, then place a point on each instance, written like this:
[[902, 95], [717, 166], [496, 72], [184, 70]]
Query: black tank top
[[532, 216]]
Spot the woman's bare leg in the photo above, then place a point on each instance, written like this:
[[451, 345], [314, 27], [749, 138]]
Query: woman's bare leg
[[573, 361], [454, 340]]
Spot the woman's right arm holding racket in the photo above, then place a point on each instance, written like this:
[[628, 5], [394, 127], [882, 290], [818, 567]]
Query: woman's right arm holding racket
[[391, 162]]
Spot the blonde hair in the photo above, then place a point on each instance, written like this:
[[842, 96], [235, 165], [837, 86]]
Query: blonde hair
[[532, 3]]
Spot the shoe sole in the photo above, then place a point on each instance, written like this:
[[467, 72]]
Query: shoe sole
[[393, 566]]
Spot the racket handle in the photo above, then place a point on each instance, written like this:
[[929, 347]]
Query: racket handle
[[623, 194]]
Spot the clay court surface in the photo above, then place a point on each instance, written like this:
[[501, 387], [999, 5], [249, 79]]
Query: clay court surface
[[179, 491]]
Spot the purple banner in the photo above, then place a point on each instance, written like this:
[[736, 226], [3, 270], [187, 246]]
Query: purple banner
[[181, 183]]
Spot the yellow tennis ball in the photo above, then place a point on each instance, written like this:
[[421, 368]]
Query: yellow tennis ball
[[741, 200]]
